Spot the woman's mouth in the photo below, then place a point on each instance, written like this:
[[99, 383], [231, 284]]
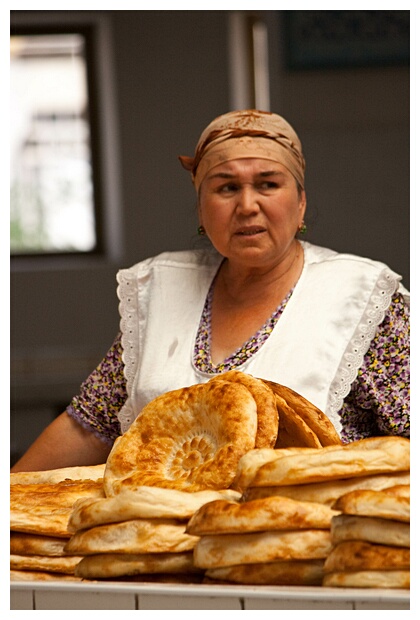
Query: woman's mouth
[[250, 231]]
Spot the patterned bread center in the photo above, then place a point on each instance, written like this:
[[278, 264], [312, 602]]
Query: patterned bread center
[[193, 452]]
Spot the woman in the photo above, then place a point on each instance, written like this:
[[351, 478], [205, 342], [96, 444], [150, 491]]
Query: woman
[[333, 327]]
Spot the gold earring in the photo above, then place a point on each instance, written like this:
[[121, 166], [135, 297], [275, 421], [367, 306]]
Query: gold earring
[[303, 228]]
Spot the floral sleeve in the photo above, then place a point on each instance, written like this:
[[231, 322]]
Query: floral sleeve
[[101, 396], [379, 400]]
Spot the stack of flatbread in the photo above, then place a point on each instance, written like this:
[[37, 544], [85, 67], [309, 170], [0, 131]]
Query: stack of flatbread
[[269, 541], [277, 520], [371, 540], [40, 506], [138, 533], [323, 475], [181, 453]]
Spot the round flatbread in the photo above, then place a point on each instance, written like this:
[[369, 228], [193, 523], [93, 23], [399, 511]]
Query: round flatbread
[[355, 555], [287, 573], [370, 529], [144, 503], [369, 579], [51, 476], [328, 492], [107, 565], [22, 543], [260, 515], [136, 536], [36, 575], [45, 508], [231, 549], [268, 417], [360, 458], [189, 439], [313, 417], [64, 564], [399, 490], [293, 430], [250, 463], [374, 504]]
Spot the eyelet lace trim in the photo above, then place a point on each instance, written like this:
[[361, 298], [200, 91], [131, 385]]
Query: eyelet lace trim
[[359, 344], [129, 324]]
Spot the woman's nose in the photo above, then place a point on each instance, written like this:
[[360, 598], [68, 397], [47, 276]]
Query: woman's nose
[[247, 200]]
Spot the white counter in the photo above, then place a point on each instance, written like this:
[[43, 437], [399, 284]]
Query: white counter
[[118, 595]]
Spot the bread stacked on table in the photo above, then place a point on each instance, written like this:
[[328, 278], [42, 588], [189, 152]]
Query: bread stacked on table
[[138, 533], [371, 540], [180, 453], [40, 506], [255, 541], [275, 540], [324, 475], [235, 479]]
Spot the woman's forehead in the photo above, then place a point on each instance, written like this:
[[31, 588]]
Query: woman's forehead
[[255, 166]]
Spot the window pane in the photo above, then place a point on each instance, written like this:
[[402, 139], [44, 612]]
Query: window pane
[[52, 201]]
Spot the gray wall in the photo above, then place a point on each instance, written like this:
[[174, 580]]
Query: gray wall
[[171, 77]]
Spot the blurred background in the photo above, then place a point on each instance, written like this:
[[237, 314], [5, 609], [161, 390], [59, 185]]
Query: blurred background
[[103, 102]]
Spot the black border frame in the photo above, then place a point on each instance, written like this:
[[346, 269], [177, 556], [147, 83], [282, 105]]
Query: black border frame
[[345, 39]]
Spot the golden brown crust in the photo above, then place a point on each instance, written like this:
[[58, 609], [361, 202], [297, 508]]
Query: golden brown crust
[[63, 564], [250, 463], [370, 529], [144, 503], [268, 418], [328, 492], [374, 504], [360, 458], [230, 549], [269, 514], [45, 508], [317, 421], [36, 575], [52, 476], [400, 490], [22, 543], [188, 439], [135, 536], [107, 565], [293, 430], [368, 579], [357, 555], [287, 573]]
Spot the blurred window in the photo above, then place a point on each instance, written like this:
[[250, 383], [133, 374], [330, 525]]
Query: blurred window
[[54, 200]]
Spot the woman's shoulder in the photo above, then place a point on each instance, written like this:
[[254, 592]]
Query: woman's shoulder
[[178, 259], [319, 255]]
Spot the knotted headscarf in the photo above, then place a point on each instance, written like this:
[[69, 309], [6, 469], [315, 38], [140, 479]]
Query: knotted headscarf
[[246, 133]]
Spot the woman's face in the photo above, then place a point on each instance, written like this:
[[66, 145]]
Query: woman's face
[[251, 210]]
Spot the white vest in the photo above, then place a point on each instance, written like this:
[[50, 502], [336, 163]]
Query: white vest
[[316, 347]]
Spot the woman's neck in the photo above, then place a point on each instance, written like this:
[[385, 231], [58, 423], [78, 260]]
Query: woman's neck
[[239, 284]]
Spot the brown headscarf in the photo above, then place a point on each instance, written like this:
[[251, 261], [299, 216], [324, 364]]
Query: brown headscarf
[[246, 133]]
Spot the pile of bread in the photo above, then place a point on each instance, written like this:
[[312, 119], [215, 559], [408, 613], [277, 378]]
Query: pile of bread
[[235, 480], [298, 505], [40, 507]]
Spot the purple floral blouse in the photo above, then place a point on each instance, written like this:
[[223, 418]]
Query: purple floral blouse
[[377, 404]]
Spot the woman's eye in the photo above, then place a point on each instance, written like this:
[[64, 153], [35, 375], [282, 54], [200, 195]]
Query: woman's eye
[[228, 188], [266, 185]]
